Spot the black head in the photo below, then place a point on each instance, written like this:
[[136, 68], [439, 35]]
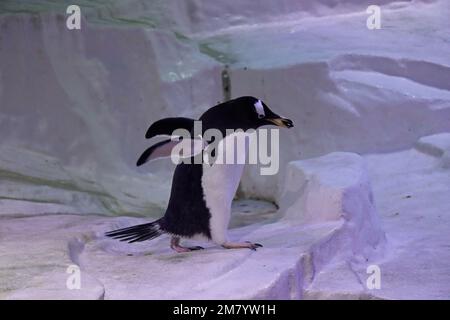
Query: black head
[[243, 113]]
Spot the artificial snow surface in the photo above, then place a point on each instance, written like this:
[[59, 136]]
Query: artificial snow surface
[[74, 110], [300, 259], [412, 192]]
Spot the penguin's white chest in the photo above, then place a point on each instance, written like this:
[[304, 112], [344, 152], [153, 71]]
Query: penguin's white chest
[[219, 183]]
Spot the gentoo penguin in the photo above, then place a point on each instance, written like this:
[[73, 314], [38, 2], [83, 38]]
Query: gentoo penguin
[[200, 201]]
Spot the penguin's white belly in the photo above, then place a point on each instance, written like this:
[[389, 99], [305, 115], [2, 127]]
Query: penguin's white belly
[[219, 183]]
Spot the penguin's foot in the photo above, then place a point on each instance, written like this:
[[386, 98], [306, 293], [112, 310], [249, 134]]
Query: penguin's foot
[[241, 245], [175, 245]]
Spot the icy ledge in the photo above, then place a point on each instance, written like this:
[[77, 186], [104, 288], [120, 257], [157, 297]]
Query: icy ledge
[[412, 196], [437, 145], [328, 213]]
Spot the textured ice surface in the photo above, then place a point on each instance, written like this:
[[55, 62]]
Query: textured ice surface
[[323, 260], [411, 191], [36, 252], [34, 183], [85, 98], [74, 107], [335, 187], [295, 249]]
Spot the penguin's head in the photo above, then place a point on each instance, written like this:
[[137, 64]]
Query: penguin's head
[[255, 113], [242, 113]]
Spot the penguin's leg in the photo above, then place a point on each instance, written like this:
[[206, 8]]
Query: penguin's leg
[[175, 245], [241, 245]]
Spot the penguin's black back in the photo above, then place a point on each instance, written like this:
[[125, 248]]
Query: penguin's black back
[[187, 214]]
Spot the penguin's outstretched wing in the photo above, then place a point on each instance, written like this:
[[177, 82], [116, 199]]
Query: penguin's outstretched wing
[[168, 125], [175, 147]]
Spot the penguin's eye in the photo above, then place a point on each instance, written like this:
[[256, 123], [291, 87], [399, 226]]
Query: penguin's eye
[[260, 116]]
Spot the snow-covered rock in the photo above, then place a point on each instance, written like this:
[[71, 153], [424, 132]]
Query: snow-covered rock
[[85, 97], [437, 145], [296, 247], [298, 260], [334, 187], [35, 258], [33, 183], [411, 192], [36, 253], [74, 106]]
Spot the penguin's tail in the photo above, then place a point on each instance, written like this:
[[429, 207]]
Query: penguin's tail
[[138, 233]]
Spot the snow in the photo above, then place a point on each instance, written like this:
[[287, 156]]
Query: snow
[[304, 256], [46, 246], [435, 145], [364, 172], [411, 191], [335, 187]]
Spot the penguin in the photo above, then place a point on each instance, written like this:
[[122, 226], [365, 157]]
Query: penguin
[[200, 201]]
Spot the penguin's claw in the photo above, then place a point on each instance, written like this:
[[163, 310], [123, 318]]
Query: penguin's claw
[[181, 249], [253, 246], [246, 244], [258, 245], [196, 248], [175, 245]]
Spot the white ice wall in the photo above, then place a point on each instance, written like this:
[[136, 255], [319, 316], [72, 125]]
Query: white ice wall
[[85, 99], [82, 100]]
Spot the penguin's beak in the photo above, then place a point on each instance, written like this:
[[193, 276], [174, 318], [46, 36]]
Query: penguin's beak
[[281, 122]]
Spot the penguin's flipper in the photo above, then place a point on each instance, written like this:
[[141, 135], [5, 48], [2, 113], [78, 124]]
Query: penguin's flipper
[[168, 125], [181, 148], [159, 150]]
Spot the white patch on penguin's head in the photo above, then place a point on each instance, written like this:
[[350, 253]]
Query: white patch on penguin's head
[[259, 109]]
